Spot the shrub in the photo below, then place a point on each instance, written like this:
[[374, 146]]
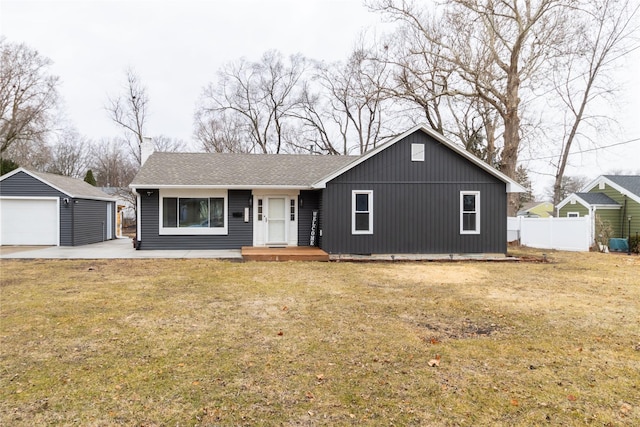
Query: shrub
[[634, 244]]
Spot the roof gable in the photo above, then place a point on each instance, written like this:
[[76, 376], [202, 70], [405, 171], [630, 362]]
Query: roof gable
[[72, 187], [512, 186], [628, 185]]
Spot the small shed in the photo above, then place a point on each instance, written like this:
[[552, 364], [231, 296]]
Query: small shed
[[39, 208]]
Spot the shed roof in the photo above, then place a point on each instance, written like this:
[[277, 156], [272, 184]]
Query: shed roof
[[72, 187], [236, 170]]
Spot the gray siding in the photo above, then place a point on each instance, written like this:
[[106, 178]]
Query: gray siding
[[240, 233], [90, 221], [23, 185], [416, 205], [82, 221], [310, 202]]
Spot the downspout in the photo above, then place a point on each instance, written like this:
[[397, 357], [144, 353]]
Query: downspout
[[138, 241], [624, 215]]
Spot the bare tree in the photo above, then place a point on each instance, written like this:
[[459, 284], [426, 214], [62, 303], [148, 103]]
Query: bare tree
[[260, 95], [342, 106], [70, 154], [221, 132], [29, 153], [28, 94], [167, 144], [602, 35], [129, 111], [569, 184], [111, 166]]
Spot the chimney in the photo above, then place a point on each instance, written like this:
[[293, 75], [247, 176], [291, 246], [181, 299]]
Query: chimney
[[146, 149]]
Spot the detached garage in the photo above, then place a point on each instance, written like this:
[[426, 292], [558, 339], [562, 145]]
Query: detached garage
[[45, 209]]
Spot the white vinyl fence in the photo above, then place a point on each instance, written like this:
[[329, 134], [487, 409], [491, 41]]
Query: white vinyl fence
[[566, 234]]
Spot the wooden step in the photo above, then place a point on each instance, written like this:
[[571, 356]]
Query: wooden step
[[290, 253]]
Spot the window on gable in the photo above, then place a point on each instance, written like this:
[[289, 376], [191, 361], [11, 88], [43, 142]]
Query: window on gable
[[573, 215], [469, 212], [417, 152], [362, 212]]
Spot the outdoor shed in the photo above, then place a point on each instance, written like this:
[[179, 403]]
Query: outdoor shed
[[39, 208], [417, 193]]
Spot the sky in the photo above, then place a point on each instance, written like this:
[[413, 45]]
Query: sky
[[176, 48]]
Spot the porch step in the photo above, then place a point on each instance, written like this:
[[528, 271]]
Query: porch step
[[296, 253]]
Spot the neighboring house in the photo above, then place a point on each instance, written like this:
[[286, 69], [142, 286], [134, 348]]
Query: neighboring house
[[416, 193], [536, 210], [612, 198], [45, 209]]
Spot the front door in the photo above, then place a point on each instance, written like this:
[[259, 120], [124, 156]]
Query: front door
[[276, 221]]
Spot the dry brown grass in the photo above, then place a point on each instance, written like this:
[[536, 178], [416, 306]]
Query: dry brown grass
[[200, 342]]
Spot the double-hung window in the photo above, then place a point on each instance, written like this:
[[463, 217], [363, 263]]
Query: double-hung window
[[362, 212], [469, 212], [191, 214]]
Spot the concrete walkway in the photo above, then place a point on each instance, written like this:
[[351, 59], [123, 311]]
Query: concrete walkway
[[111, 249]]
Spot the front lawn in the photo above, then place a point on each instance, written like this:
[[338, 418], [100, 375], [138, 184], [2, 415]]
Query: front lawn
[[205, 342]]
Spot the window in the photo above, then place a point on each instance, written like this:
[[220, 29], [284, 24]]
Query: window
[[469, 212], [573, 215], [259, 209], [417, 152], [191, 214], [362, 212], [292, 209]]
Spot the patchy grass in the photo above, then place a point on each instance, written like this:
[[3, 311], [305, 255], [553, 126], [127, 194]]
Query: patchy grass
[[201, 342]]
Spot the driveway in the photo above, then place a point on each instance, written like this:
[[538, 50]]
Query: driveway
[[111, 249]]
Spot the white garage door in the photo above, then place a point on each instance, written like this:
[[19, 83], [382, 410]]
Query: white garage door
[[29, 222]]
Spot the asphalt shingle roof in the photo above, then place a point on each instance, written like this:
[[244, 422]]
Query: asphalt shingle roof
[[597, 199], [236, 170], [72, 186], [630, 182]]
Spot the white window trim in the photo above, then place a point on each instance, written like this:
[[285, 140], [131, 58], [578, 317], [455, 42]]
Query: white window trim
[[193, 231], [573, 214], [417, 152], [369, 193], [477, 212]]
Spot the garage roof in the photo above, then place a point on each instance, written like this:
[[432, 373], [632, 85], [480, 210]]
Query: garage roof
[[72, 187]]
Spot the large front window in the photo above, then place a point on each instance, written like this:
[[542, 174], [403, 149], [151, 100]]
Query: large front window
[[191, 214], [362, 212], [470, 212]]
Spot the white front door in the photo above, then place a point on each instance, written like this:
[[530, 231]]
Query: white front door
[[276, 220]]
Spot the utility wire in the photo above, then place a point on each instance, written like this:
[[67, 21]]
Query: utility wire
[[583, 151]]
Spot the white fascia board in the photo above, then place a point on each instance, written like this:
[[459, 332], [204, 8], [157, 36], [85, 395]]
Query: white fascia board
[[135, 187], [569, 198], [587, 188], [512, 186], [42, 180], [15, 171]]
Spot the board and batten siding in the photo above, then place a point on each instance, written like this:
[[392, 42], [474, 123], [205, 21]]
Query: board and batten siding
[[416, 205], [308, 201], [239, 233]]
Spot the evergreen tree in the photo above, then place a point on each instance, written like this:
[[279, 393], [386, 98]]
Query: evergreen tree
[[7, 165], [89, 179]]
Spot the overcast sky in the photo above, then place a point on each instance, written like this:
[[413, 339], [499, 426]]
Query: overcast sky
[[176, 47]]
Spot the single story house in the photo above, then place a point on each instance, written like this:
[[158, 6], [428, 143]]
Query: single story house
[[39, 208], [416, 193], [536, 210], [612, 198]]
